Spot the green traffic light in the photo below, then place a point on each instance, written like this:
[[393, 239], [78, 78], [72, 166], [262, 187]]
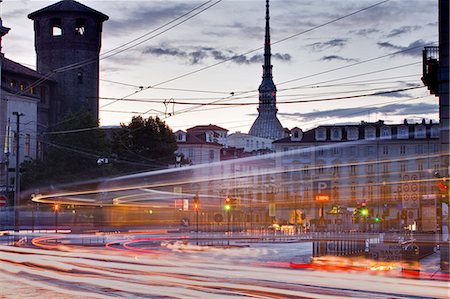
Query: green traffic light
[[227, 207], [364, 212], [377, 219]]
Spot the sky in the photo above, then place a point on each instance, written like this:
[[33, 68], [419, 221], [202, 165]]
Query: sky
[[321, 52]]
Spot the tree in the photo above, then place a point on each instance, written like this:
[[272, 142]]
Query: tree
[[145, 143], [72, 149]]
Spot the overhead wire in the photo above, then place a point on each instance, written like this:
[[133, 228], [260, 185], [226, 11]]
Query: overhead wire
[[257, 49]]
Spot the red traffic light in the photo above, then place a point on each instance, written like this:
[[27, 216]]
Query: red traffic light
[[363, 204], [228, 200], [442, 186]]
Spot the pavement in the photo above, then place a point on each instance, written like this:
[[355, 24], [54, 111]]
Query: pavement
[[430, 268]]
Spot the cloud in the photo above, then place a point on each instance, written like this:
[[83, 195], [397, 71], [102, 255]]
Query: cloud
[[337, 57], [200, 54], [403, 30], [334, 43], [388, 110], [364, 32], [143, 17], [416, 47]]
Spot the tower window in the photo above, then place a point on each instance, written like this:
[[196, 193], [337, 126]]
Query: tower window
[[80, 27], [22, 86], [56, 27], [80, 77]]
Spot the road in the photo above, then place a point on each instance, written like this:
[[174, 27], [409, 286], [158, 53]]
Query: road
[[141, 268]]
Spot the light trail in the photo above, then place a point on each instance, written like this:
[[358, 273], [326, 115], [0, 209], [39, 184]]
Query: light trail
[[96, 273]]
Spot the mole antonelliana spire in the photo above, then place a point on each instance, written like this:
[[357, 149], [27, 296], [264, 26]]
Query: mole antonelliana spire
[[267, 124]]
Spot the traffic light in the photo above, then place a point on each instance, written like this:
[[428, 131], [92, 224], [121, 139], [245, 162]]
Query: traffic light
[[56, 207], [196, 202], [363, 211], [377, 219], [227, 204], [443, 185]]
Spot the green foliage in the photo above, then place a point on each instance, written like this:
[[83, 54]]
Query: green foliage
[[146, 143], [74, 146], [71, 152]]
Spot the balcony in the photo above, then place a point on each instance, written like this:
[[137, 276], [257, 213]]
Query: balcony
[[431, 69]]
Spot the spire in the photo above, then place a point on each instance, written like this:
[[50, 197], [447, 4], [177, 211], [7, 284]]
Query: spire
[[267, 124], [267, 68]]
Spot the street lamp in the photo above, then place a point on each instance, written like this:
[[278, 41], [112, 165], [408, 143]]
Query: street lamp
[[56, 209]]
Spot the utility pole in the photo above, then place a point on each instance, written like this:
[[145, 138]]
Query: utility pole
[[17, 178], [444, 108]]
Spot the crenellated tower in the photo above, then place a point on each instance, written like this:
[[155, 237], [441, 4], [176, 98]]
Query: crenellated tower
[[67, 42]]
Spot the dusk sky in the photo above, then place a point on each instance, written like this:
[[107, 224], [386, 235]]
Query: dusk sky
[[349, 57]]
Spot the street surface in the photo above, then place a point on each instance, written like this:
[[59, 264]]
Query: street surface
[[154, 266]]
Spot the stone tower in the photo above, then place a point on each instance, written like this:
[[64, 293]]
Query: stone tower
[[67, 42], [267, 124]]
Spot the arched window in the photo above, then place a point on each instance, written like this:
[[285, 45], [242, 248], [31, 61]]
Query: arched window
[[80, 27], [56, 27]]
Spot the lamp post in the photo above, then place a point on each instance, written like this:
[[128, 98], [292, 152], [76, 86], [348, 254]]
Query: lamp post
[[196, 207], [17, 173]]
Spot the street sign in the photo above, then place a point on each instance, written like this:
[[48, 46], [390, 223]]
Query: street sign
[[322, 190], [410, 191], [2, 201]]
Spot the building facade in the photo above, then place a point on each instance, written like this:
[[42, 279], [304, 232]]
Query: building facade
[[200, 144], [249, 142], [388, 168]]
